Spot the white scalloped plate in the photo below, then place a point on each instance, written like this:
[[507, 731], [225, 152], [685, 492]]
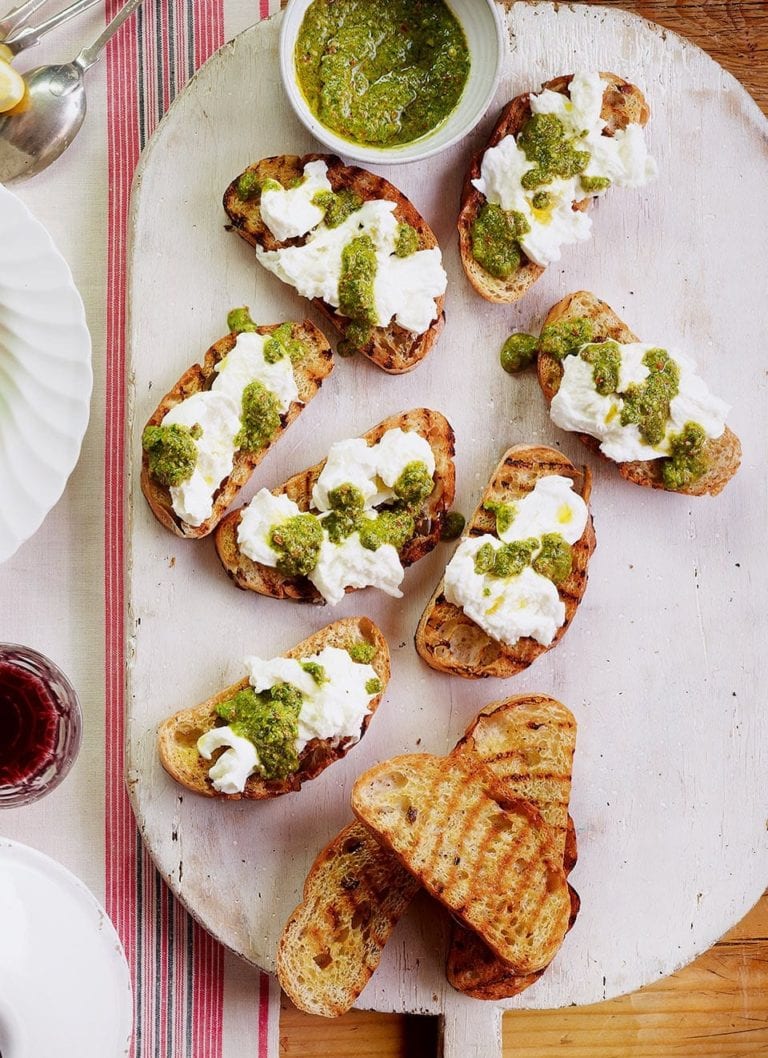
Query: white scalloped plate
[[45, 373]]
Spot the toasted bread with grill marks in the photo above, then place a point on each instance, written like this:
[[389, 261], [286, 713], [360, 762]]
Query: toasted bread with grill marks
[[357, 890], [254, 576], [393, 348], [623, 104], [353, 897], [178, 735], [490, 860], [528, 743], [451, 642], [723, 453], [309, 372]]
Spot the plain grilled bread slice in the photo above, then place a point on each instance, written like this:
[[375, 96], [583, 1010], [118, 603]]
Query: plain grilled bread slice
[[357, 890], [393, 348], [266, 580], [451, 642], [723, 453], [178, 735], [489, 860], [623, 104], [528, 743], [353, 897], [309, 372]]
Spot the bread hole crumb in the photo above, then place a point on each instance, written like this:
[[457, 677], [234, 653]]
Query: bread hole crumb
[[352, 845], [397, 778], [323, 959]]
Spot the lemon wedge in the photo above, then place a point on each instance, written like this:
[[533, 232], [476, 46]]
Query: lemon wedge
[[11, 87], [5, 53]]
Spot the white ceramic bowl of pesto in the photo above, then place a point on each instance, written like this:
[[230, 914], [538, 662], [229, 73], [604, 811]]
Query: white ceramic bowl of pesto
[[483, 25]]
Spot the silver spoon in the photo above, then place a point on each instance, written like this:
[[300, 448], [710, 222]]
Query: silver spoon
[[25, 37], [53, 110], [17, 16]]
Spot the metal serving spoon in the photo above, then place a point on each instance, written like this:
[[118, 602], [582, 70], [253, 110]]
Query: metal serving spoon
[[52, 111], [26, 36]]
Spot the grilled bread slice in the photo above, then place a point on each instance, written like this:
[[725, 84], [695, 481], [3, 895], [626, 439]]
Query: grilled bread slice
[[178, 735], [623, 104], [357, 890], [353, 897], [723, 454], [393, 348], [451, 642], [309, 372], [488, 859], [266, 580], [528, 743]]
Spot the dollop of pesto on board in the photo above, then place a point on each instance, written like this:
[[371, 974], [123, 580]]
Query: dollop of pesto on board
[[270, 720], [381, 74]]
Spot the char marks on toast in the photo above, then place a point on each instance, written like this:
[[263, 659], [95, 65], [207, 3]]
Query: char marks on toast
[[309, 372], [393, 348], [487, 858], [528, 743], [623, 104], [178, 735], [266, 580], [354, 894], [450, 641], [723, 453]]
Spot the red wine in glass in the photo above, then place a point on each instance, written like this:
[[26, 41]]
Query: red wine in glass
[[39, 725]]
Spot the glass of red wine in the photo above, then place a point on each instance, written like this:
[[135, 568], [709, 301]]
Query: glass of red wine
[[40, 725]]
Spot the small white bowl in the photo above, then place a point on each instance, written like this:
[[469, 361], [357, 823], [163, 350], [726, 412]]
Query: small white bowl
[[483, 25]]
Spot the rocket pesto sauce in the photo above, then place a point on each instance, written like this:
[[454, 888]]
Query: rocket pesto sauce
[[381, 74]]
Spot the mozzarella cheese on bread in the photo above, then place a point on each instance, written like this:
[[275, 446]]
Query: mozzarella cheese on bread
[[621, 159], [526, 604]]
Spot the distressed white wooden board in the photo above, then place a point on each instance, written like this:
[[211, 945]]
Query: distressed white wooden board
[[665, 661]]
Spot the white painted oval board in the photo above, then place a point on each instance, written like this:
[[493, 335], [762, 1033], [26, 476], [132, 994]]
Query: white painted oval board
[[665, 659]]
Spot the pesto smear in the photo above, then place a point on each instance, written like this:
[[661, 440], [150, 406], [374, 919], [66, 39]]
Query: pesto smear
[[381, 74]]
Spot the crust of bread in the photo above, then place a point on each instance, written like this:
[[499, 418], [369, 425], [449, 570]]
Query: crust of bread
[[723, 453], [393, 348], [623, 104], [178, 735], [450, 641], [528, 743], [309, 372], [266, 580]]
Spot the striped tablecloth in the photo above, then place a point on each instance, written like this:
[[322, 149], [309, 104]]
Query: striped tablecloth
[[63, 592]]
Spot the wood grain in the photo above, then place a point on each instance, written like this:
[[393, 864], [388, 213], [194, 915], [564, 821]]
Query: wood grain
[[717, 1006]]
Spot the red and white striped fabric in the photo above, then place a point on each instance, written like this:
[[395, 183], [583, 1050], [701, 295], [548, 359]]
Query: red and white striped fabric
[[191, 999]]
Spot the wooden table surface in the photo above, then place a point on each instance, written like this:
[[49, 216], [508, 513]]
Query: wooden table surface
[[718, 1006]]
